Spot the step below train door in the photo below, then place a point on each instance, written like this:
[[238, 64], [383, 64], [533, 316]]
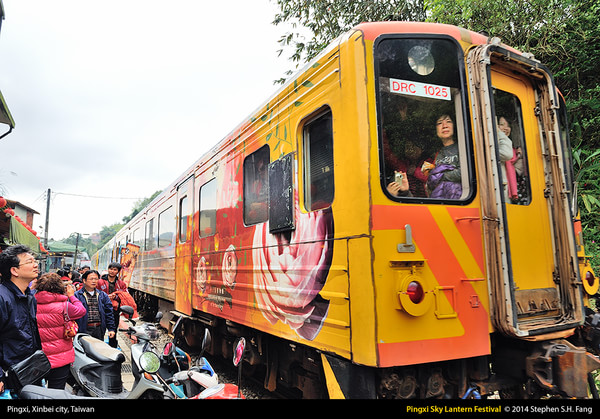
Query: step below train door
[[185, 245], [529, 239]]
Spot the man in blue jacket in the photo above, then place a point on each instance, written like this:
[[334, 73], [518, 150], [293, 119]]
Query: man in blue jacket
[[19, 335], [99, 315]]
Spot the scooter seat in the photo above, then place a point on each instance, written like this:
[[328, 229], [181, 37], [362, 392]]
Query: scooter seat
[[100, 351]]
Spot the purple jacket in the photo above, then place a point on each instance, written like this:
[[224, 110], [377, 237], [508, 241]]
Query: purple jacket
[[440, 188]]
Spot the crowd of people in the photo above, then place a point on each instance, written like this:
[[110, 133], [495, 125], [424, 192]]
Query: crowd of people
[[35, 310]]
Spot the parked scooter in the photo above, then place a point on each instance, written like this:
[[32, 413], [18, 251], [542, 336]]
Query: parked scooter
[[197, 382], [174, 359], [191, 380], [201, 382], [97, 366], [228, 391]]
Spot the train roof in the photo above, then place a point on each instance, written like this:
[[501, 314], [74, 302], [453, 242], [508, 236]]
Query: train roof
[[371, 31]]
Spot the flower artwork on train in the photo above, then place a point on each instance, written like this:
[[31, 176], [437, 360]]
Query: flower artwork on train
[[229, 267], [291, 269], [215, 284], [201, 276], [279, 274]]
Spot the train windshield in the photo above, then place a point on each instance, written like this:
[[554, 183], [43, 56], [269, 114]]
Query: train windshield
[[423, 129]]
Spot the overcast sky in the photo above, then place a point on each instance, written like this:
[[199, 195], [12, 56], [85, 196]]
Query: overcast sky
[[116, 98]]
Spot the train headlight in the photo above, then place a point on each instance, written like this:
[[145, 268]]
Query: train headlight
[[413, 296]]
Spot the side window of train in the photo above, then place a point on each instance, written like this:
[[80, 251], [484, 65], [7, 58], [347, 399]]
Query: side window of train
[[256, 186], [166, 227], [317, 142], [511, 148], [208, 208], [184, 213], [135, 237], [149, 242], [423, 123]]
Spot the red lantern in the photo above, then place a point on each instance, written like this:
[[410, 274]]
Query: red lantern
[[2, 201]]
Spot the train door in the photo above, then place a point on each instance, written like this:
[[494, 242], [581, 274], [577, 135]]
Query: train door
[[184, 247], [527, 223]]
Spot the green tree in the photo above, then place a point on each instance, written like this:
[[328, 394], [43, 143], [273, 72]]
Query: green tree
[[325, 20], [108, 232], [138, 206]]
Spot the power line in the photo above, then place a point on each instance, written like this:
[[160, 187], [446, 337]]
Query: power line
[[93, 196]]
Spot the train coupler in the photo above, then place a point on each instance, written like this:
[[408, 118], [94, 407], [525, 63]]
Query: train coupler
[[561, 367]]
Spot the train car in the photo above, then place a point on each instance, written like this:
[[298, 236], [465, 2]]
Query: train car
[[396, 221]]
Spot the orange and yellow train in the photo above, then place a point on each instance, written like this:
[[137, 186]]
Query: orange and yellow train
[[397, 221]]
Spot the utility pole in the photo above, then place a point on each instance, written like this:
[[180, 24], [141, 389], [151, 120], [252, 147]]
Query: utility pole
[[46, 266], [75, 255], [47, 219]]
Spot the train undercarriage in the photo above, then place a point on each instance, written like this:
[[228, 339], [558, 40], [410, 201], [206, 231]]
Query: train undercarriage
[[516, 369]]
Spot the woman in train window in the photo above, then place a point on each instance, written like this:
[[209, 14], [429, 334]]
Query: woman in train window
[[444, 180]]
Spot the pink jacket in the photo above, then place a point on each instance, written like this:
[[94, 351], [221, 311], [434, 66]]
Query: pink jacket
[[50, 319]]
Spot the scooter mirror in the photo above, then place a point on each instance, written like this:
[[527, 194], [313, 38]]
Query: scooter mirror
[[168, 349], [238, 354], [149, 362]]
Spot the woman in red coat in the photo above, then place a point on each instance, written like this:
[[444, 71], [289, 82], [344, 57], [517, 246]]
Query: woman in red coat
[[53, 298]]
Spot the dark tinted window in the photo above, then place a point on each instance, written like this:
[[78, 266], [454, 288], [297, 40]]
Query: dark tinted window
[[318, 162]]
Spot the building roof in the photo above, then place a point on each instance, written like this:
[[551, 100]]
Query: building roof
[[61, 247]]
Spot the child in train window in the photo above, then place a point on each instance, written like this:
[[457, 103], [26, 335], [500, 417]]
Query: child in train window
[[509, 121], [506, 153]]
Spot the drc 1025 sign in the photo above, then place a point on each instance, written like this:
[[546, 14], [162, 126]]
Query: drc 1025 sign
[[414, 88]]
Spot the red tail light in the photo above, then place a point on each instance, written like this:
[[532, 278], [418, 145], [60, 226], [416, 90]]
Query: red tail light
[[415, 292], [589, 276]]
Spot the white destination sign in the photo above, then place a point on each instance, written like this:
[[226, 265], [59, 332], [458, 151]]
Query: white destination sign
[[414, 88]]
